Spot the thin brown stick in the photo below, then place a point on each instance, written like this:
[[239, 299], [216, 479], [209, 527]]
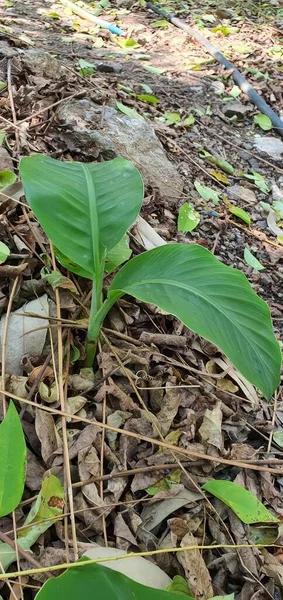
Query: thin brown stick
[[67, 469]]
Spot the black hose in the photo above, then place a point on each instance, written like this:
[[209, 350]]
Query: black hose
[[238, 78]]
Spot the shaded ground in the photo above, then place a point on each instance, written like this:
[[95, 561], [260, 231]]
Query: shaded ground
[[134, 368]]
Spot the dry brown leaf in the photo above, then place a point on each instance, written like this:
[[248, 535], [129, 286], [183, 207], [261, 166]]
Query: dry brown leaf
[[155, 513], [170, 406], [210, 429], [84, 441], [272, 567], [121, 530], [196, 571], [46, 433], [34, 472]]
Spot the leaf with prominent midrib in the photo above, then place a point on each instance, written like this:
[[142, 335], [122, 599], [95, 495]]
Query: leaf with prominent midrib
[[214, 300], [12, 461], [85, 209]]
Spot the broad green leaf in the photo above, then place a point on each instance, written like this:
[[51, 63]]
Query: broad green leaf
[[246, 505], [252, 261], [146, 88], [85, 209], [162, 23], [128, 43], [235, 91], [12, 461], [48, 506], [96, 581], [214, 300], [131, 112], [86, 68], [4, 252], [7, 178], [179, 586], [207, 193], [188, 218], [154, 70], [240, 213], [148, 98], [278, 438], [263, 122], [118, 255]]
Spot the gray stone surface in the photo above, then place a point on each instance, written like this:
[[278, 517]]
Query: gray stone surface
[[235, 108], [269, 147], [107, 131]]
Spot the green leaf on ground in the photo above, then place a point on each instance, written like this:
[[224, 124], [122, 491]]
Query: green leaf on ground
[[207, 193], [148, 98], [213, 300], [166, 483], [263, 122], [240, 213], [57, 280], [246, 505], [188, 218], [7, 178], [170, 118], [257, 179], [189, 121], [131, 112], [219, 162], [154, 70], [80, 582], [12, 461], [4, 252], [252, 261], [162, 23]]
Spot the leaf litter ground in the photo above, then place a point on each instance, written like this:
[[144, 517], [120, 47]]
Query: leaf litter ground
[[154, 378]]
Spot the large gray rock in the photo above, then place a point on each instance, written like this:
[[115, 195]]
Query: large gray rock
[[269, 147], [104, 130]]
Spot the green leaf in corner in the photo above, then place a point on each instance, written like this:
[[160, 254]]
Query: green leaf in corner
[[278, 438], [79, 582], [263, 122], [188, 218], [179, 586], [4, 252], [7, 178], [252, 261], [207, 193], [240, 213], [12, 461], [131, 112], [246, 505]]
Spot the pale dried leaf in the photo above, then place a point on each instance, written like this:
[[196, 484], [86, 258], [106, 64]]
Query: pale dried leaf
[[46, 433], [210, 429], [146, 235], [121, 530], [197, 574], [153, 514], [272, 567], [26, 335], [34, 472]]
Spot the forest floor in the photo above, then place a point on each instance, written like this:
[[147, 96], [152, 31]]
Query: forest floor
[[197, 112]]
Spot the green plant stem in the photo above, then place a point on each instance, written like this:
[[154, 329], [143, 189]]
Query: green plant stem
[[95, 322]]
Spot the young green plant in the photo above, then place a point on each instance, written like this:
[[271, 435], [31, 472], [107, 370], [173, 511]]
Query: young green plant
[[86, 210]]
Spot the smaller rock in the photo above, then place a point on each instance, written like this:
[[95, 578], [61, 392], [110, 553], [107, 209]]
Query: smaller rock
[[239, 192], [109, 67], [236, 109], [269, 147], [6, 162]]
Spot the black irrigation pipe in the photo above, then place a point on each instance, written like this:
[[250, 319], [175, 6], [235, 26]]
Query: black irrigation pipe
[[238, 78]]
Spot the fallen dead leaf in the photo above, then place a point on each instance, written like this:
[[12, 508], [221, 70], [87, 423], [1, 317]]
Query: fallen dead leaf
[[210, 429], [196, 571]]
